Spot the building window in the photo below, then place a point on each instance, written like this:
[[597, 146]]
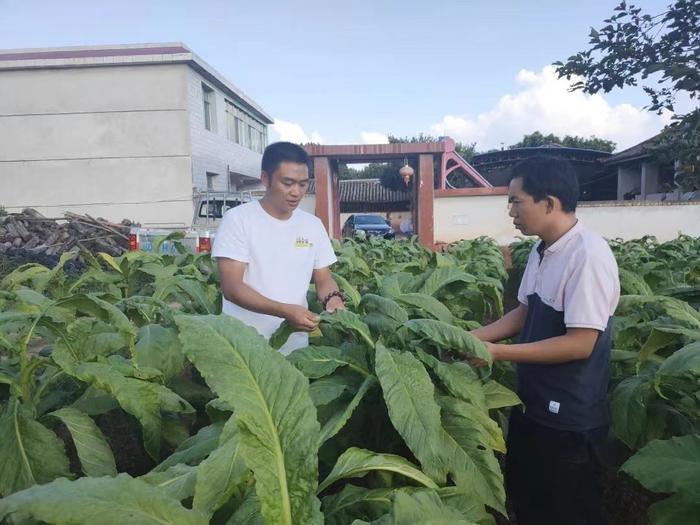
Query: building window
[[208, 100], [241, 136], [210, 180], [244, 129]]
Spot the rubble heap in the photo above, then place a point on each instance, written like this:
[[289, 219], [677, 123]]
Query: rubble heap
[[30, 231]]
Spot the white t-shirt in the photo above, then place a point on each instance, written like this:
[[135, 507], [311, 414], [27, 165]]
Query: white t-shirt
[[281, 256]]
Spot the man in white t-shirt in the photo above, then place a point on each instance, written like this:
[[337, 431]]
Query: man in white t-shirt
[[268, 251]]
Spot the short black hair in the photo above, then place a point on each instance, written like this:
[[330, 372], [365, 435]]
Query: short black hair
[[548, 176], [279, 152]]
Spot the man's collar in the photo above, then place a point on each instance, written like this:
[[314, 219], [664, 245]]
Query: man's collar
[[561, 241]]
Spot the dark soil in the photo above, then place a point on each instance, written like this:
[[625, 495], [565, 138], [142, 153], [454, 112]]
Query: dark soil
[[64, 435], [124, 436], [625, 501]]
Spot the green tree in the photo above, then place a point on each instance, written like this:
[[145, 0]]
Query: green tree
[[388, 172], [536, 139], [371, 171], [635, 47], [466, 151]]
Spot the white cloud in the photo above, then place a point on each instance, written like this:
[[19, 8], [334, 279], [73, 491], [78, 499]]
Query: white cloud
[[545, 104], [373, 137], [293, 132]]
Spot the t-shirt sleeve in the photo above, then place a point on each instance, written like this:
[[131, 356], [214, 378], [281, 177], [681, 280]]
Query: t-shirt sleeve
[[325, 256], [230, 241], [591, 293], [527, 281]]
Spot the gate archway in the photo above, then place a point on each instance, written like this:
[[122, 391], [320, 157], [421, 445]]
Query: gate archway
[[425, 155]]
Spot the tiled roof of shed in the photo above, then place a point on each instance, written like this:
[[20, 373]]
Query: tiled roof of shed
[[367, 190]]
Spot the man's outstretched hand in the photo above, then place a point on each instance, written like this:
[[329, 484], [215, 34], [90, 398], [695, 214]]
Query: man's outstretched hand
[[301, 318]]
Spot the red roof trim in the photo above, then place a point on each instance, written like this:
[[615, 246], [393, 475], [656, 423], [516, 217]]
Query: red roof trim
[[93, 53]]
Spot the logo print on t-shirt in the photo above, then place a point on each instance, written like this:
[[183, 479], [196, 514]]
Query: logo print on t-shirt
[[301, 242]]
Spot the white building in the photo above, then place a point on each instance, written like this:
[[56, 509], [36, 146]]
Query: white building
[[127, 131]]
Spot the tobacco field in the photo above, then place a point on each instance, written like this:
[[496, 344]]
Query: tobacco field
[[126, 397]]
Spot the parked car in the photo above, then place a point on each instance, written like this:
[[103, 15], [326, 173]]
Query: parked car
[[369, 224]]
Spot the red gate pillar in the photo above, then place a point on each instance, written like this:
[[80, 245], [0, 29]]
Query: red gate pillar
[[327, 199], [425, 227]]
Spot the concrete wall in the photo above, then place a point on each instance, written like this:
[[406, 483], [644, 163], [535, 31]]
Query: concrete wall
[[212, 151], [308, 203], [650, 178], [628, 179], [109, 141], [458, 218]]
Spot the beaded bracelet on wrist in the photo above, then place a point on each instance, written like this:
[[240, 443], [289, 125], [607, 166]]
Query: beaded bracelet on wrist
[[334, 293]]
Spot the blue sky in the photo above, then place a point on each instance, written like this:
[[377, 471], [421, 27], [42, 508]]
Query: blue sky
[[350, 72]]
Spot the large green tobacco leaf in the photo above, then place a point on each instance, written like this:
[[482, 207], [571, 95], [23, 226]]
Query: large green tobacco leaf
[[176, 482], [358, 503], [22, 274], [141, 399], [107, 501], [29, 452], [441, 277], [351, 294], [633, 284], [337, 421], [382, 315], [158, 347], [657, 340], [319, 361], [426, 304], [372, 303], [42, 279], [249, 511], [629, 405], [683, 361], [95, 456], [445, 336], [327, 389], [426, 508], [678, 509], [101, 309], [95, 402], [472, 436], [280, 336], [394, 284], [498, 396], [459, 379], [673, 308], [354, 502], [177, 286], [221, 473], [348, 322], [409, 396], [492, 290], [195, 449], [358, 462], [668, 466], [279, 432], [473, 423]]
